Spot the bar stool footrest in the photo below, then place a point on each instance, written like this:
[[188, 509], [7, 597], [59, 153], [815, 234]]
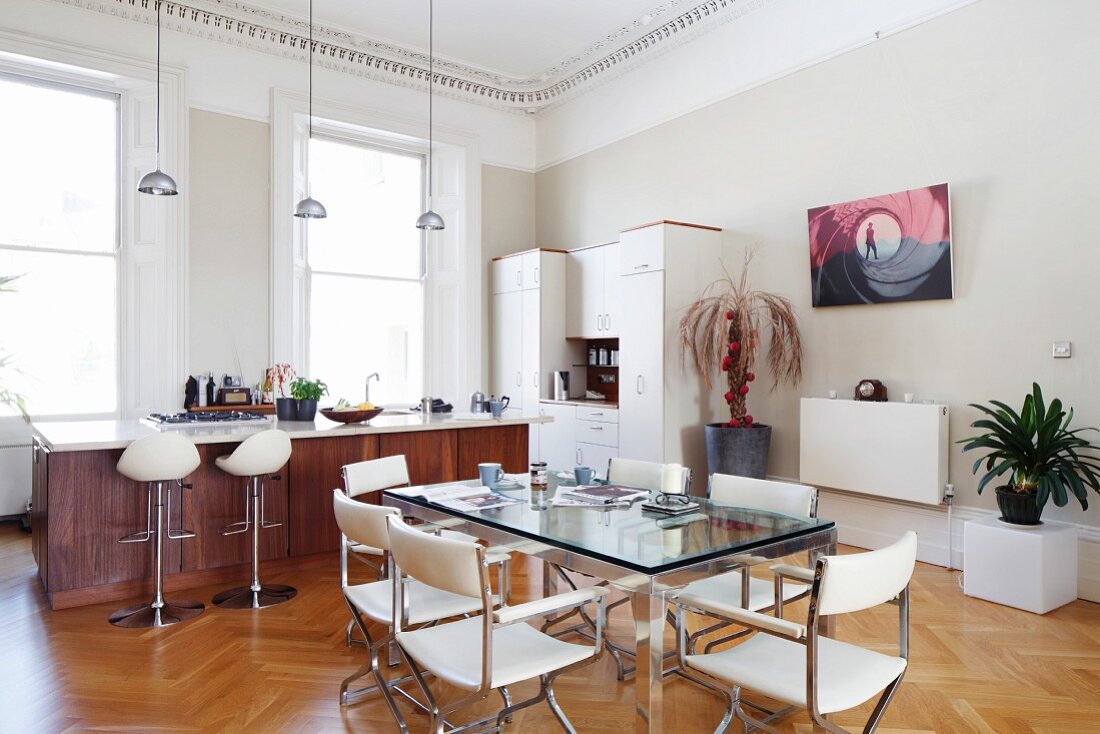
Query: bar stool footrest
[[244, 526], [141, 536], [145, 615], [243, 597]]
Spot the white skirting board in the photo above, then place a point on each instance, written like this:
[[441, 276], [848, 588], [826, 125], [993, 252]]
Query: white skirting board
[[868, 522]]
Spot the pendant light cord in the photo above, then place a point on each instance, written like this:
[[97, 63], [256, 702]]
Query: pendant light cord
[[309, 186], [431, 81], [158, 85]]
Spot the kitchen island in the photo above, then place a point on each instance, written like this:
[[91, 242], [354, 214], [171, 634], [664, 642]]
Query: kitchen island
[[81, 506]]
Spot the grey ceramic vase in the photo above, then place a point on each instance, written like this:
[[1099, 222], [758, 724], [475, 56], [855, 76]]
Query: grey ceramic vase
[[742, 452]]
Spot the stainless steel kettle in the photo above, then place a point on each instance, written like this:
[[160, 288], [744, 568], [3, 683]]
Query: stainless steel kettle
[[478, 403]]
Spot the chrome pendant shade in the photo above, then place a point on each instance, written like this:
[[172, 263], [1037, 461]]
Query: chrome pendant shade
[[157, 182], [429, 220], [310, 208]]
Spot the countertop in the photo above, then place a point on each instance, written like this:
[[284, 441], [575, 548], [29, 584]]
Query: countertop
[[583, 402], [117, 434]]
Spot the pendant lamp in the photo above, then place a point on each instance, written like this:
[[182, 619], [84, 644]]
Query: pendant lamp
[[429, 219], [157, 182], [310, 208]]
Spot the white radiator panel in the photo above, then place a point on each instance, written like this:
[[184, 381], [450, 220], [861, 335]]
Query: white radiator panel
[[15, 479], [892, 450]]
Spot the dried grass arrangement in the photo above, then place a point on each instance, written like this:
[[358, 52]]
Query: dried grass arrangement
[[723, 331]]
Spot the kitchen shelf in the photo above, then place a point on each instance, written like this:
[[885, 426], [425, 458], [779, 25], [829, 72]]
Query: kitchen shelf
[[602, 366], [262, 408]]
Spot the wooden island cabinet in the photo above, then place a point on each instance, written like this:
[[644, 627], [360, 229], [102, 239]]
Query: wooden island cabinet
[[82, 506]]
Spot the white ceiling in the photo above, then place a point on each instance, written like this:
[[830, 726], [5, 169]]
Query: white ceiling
[[515, 40]]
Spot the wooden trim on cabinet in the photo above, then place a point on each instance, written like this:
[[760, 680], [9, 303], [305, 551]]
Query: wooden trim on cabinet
[[524, 252], [673, 221]]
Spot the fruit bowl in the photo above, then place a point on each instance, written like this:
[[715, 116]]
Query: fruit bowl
[[350, 416]]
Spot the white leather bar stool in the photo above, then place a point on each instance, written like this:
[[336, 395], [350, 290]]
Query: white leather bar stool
[[257, 457], [159, 460]]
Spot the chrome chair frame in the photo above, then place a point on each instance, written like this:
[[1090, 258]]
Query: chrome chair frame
[[492, 724], [810, 641]]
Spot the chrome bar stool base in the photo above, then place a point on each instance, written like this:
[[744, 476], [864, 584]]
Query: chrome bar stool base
[[244, 597], [145, 615]]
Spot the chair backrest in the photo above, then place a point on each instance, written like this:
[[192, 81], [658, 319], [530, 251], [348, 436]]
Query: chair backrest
[[442, 563], [363, 523], [785, 498], [158, 457], [641, 474], [864, 580], [261, 453], [375, 475]]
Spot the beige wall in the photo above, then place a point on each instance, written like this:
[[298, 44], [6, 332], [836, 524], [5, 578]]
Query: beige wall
[[229, 248], [507, 225], [998, 100]]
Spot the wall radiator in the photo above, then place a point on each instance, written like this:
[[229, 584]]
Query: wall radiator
[[15, 478], [891, 450]]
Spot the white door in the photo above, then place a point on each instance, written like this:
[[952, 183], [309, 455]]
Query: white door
[[641, 367], [507, 347], [595, 457], [584, 284], [532, 272], [612, 298], [557, 440], [507, 274], [643, 250]]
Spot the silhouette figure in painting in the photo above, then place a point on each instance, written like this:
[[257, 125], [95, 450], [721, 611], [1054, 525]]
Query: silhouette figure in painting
[[871, 241]]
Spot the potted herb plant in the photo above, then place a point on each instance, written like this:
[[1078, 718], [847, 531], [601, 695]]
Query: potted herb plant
[[306, 393], [724, 331], [1037, 452]]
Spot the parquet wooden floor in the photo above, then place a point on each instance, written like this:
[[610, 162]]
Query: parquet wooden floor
[[976, 667]]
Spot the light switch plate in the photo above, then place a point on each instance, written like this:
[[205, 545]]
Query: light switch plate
[[1062, 350]]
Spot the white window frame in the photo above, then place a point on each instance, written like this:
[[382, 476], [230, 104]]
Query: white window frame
[[452, 257], [152, 280]]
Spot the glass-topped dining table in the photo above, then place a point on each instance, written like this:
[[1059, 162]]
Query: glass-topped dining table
[[646, 555]]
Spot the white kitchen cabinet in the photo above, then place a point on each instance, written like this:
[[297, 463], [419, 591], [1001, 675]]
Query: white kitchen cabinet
[[663, 408], [641, 367], [529, 358], [595, 456], [557, 440], [507, 348], [612, 297], [585, 283], [531, 265], [507, 274]]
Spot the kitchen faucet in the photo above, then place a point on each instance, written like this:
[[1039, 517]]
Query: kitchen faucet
[[372, 376]]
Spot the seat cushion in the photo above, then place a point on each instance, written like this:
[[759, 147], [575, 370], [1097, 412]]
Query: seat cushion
[[726, 588], [847, 675], [452, 652], [493, 555], [426, 604]]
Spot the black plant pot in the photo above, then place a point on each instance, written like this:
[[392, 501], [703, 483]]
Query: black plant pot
[[742, 452], [307, 410], [1019, 508], [286, 409]]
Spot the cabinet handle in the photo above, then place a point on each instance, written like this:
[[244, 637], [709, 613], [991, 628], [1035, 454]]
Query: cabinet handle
[[642, 266], [607, 322], [600, 413], [535, 379], [640, 386], [578, 456], [519, 277], [596, 428], [536, 274], [599, 321], [519, 379]]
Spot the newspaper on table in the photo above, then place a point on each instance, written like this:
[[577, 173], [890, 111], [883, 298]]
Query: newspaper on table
[[461, 497]]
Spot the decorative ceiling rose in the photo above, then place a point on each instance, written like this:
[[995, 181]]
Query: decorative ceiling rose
[[239, 24]]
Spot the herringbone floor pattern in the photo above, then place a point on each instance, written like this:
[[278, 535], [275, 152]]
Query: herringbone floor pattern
[[976, 667]]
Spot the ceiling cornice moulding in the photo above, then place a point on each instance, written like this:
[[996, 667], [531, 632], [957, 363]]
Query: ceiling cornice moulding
[[257, 29]]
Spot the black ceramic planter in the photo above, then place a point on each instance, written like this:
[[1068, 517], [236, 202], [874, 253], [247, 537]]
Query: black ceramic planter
[[1019, 508], [742, 452], [307, 410], [286, 409]]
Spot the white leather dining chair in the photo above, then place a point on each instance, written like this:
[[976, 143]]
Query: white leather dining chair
[[372, 601], [790, 662], [482, 653], [738, 587]]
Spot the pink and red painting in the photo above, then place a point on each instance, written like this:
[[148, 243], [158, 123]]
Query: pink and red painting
[[895, 247]]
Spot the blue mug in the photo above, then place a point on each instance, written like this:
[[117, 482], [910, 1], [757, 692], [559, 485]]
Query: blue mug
[[497, 407], [489, 474], [584, 475]]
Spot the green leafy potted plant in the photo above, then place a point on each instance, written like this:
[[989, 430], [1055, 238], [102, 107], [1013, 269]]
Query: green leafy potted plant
[[8, 396], [1038, 452], [724, 330], [306, 393]]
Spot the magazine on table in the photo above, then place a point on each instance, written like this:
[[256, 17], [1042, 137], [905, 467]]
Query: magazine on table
[[598, 494], [460, 497]]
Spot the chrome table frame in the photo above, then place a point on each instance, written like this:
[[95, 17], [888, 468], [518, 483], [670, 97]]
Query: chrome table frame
[[648, 592]]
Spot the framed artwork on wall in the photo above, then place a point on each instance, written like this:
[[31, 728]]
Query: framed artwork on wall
[[894, 247]]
